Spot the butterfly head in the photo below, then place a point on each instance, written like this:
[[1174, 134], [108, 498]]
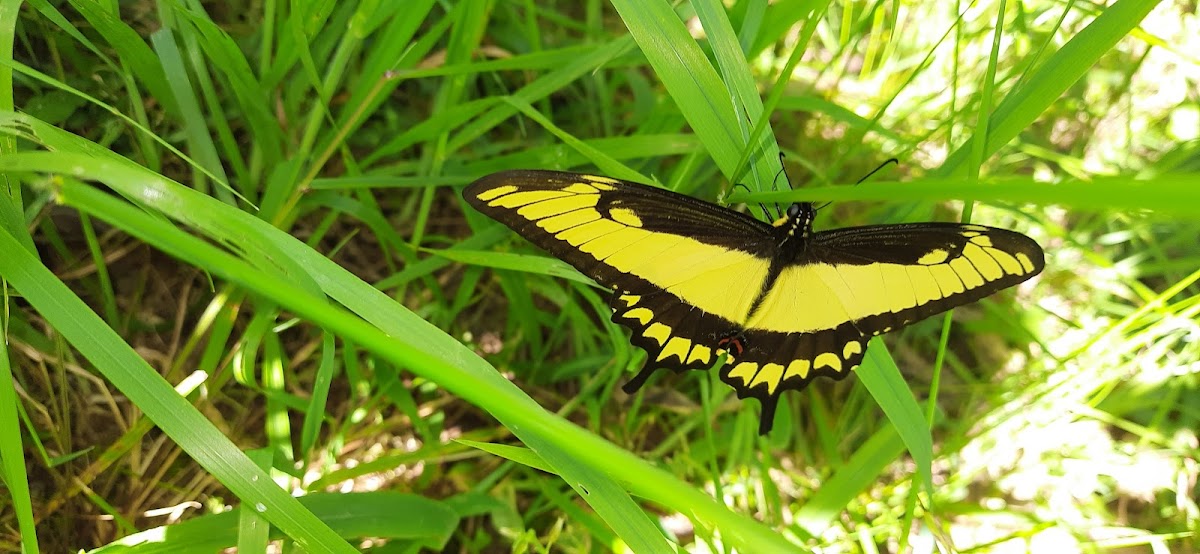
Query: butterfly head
[[799, 220]]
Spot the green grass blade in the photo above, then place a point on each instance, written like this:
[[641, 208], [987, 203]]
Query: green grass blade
[[896, 399], [387, 515], [692, 81]]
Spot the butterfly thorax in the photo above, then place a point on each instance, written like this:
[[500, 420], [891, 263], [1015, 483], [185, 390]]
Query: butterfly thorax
[[792, 233]]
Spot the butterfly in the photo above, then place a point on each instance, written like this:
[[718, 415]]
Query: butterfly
[[694, 281]]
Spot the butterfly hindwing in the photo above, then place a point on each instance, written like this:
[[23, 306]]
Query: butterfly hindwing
[[674, 335], [773, 362]]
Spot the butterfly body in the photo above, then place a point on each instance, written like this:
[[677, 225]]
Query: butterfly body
[[694, 281]]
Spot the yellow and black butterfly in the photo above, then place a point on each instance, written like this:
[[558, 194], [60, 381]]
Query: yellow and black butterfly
[[695, 280]]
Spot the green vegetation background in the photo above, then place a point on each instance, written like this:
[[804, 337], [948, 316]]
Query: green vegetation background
[[244, 302]]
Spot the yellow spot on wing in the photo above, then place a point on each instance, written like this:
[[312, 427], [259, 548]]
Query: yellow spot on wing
[[630, 299], [1010, 264], [798, 368], [924, 286], [851, 348], [899, 292], [601, 179], [561, 222], [518, 199], [947, 280], [677, 347], [770, 374], [581, 188], [983, 262], [982, 240], [967, 272], [626, 216], [745, 371], [589, 231], [828, 359], [868, 288], [498, 191], [658, 332], [1025, 262], [933, 257], [700, 353], [557, 206], [642, 315]]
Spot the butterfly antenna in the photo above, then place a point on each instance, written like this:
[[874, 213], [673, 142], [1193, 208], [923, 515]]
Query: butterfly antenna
[[775, 184], [760, 204], [876, 170], [867, 176], [783, 170]]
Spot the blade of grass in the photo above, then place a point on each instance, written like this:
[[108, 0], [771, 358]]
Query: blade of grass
[[692, 82], [1166, 194], [896, 399], [386, 515], [132, 50], [735, 74], [538, 89], [12, 223], [12, 453]]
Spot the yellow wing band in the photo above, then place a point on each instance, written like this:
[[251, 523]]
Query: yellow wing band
[[817, 297], [697, 273]]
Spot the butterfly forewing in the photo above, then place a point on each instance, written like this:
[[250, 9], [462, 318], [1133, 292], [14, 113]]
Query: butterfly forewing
[[855, 283], [683, 272], [906, 273]]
